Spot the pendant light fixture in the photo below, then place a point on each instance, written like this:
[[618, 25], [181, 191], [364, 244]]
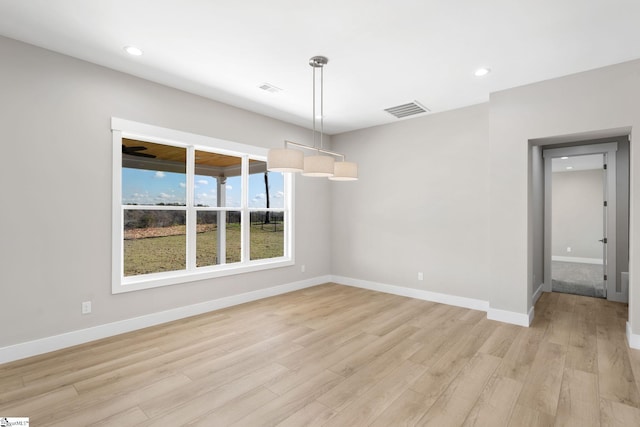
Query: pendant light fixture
[[318, 165], [323, 162]]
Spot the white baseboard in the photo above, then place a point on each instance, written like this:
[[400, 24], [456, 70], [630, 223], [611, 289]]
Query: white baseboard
[[57, 342], [474, 304], [537, 293], [511, 316], [632, 339], [579, 260]]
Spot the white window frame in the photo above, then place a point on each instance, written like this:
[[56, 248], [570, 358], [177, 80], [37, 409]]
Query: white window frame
[[122, 128]]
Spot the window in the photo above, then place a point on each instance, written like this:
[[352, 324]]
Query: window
[[188, 207]]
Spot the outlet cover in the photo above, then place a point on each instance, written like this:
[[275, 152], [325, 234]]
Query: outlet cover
[[86, 307], [420, 276]]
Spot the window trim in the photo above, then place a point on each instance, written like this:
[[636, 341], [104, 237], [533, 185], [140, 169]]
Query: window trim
[[122, 128]]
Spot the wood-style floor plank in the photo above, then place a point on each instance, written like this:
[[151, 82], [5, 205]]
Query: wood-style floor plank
[[453, 406], [334, 355], [579, 403], [496, 403], [542, 386], [618, 414], [367, 407]]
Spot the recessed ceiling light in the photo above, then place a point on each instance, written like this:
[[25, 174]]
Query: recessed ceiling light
[[569, 168], [482, 72], [132, 50], [564, 158]]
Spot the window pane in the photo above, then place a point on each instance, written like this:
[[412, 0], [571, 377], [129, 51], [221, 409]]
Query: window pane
[[208, 238], [154, 241], [266, 189], [267, 235], [217, 179], [234, 240], [153, 174]]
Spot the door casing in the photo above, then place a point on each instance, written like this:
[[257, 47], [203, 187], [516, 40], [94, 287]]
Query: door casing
[[609, 150]]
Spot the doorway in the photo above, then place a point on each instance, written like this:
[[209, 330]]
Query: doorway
[[580, 228]]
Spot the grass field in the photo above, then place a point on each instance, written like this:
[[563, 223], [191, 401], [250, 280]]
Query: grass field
[[167, 253]]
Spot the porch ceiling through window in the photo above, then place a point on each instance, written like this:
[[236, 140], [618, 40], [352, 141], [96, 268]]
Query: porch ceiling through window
[[148, 155]]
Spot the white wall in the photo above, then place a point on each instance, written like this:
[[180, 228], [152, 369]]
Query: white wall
[[536, 240], [622, 212], [55, 225], [440, 195], [447, 194], [421, 204], [602, 102], [577, 213]]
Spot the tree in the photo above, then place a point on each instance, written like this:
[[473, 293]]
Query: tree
[[266, 187]]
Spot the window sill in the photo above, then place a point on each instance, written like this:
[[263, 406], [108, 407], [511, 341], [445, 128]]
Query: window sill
[[155, 280]]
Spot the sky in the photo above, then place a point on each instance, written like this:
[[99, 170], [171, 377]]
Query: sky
[[148, 187]]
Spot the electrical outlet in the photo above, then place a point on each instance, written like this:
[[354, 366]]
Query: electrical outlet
[[420, 275], [86, 307], [303, 268], [568, 248]]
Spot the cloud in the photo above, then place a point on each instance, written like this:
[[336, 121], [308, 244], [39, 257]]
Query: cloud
[[159, 174], [182, 185], [203, 182], [205, 199], [279, 195], [164, 196], [260, 196], [232, 203]]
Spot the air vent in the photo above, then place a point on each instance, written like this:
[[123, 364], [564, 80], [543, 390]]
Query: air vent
[[270, 88], [405, 110]]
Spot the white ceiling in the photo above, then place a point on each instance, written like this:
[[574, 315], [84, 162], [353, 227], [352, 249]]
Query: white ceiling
[[382, 53]]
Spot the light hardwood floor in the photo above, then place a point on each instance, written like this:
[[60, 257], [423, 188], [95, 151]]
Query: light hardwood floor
[[340, 356]]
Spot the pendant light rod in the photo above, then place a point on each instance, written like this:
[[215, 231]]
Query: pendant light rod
[[313, 110], [318, 62], [319, 150], [321, 105]]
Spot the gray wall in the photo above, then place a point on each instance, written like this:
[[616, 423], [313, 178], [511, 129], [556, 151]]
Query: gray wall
[[597, 103], [440, 195], [622, 212], [421, 204], [448, 194], [536, 240], [577, 213], [56, 173]]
